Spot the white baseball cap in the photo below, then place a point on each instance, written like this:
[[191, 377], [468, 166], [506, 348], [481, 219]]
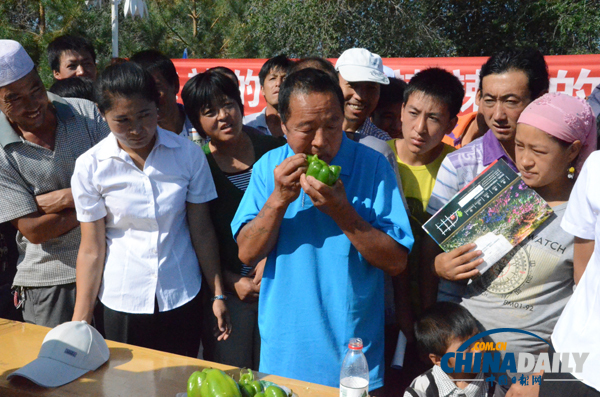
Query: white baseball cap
[[359, 64], [68, 351], [15, 63]]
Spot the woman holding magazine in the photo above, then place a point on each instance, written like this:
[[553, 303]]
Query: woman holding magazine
[[531, 285]]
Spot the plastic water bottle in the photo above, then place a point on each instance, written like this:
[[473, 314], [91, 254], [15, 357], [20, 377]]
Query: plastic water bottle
[[354, 377], [195, 137]]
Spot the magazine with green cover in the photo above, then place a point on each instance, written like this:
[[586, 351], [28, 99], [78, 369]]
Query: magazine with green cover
[[496, 211]]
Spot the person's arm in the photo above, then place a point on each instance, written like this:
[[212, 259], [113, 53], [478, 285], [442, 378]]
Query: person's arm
[[54, 202], [204, 240], [39, 228], [247, 288], [582, 252], [89, 268], [258, 237], [379, 249]]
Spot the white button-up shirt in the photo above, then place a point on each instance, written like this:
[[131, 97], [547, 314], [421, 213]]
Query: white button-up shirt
[[149, 251], [578, 327]]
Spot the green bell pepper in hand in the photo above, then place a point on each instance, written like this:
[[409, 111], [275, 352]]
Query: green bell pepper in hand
[[212, 383], [318, 169]]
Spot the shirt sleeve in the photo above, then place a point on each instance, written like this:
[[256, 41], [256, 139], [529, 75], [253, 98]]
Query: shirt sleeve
[[89, 202], [580, 217], [446, 186], [390, 213], [202, 187], [255, 197], [16, 199], [100, 127]]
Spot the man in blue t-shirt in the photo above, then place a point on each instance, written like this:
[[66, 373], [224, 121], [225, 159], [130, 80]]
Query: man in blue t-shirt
[[327, 247]]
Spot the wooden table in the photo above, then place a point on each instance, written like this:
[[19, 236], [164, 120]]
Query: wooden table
[[130, 371]]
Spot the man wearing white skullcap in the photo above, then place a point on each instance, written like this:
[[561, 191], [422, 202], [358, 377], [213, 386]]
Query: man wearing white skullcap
[[41, 136]]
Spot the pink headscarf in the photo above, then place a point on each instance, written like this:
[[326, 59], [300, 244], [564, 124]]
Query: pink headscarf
[[565, 117]]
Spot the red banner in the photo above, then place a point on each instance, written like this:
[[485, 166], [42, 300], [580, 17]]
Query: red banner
[[571, 74]]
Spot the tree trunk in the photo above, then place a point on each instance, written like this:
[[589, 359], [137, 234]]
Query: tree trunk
[[42, 22]]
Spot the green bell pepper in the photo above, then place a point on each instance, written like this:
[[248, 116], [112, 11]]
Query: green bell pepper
[[318, 169], [212, 383], [248, 385], [274, 391]]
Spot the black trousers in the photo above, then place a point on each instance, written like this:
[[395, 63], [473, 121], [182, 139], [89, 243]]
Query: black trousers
[[175, 331], [566, 386]]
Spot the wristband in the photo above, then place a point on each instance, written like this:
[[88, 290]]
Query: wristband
[[219, 298]]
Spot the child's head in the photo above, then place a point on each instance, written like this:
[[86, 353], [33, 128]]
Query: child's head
[[432, 101], [443, 328]]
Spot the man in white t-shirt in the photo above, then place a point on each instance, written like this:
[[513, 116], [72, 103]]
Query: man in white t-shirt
[[271, 77]]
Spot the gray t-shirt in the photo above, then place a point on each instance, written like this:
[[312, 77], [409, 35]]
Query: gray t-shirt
[[28, 170], [528, 289]]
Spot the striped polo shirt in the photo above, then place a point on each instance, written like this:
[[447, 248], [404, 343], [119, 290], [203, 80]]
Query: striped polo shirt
[[459, 168]]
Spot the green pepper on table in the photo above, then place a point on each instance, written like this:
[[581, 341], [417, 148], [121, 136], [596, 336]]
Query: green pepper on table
[[249, 386], [212, 383], [317, 168]]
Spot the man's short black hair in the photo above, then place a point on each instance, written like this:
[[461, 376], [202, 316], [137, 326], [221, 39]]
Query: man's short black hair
[[207, 90], [392, 93], [440, 84], [75, 87], [528, 60], [156, 61], [67, 43], [125, 80], [280, 62], [307, 81], [315, 63], [441, 324]]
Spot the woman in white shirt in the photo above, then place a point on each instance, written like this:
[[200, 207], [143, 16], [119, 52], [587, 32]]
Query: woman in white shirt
[[135, 194]]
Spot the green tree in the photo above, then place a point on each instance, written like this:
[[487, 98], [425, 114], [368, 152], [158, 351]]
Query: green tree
[[479, 27], [302, 28]]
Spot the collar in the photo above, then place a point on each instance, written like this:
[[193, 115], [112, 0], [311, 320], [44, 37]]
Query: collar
[[493, 150], [112, 148], [366, 126], [8, 135]]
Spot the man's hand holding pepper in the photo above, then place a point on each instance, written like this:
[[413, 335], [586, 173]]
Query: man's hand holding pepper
[[331, 200], [459, 264], [287, 178]]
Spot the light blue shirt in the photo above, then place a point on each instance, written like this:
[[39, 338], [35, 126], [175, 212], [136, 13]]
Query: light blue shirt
[[317, 290]]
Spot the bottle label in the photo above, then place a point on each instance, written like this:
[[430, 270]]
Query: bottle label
[[353, 386]]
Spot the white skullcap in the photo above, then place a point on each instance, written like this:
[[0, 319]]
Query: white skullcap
[[15, 63]]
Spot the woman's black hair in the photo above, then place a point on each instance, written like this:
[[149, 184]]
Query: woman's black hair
[[227, 72], [207, 90], [441, 324], [124, 80]]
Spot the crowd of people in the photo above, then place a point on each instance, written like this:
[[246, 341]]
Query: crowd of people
[[193, 229]]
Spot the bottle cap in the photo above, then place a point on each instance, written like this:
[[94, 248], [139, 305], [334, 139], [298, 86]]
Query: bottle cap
[[355, 344]]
